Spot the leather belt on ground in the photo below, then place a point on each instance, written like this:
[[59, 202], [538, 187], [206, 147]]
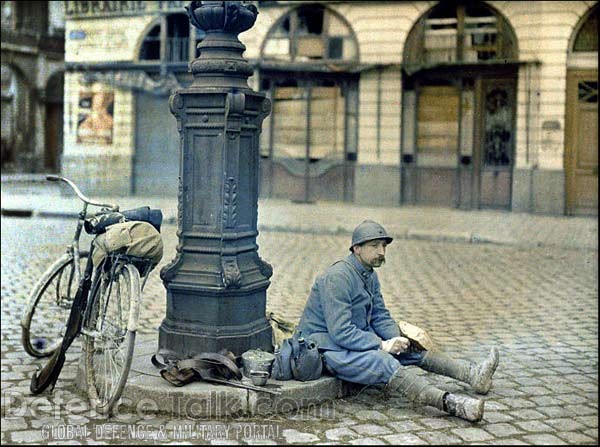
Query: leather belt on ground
[[208, 366]]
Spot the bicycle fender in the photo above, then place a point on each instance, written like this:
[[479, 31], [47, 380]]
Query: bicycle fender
[[48, 376], [136, 289]]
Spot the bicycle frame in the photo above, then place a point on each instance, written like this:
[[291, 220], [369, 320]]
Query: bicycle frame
[[73, 247]]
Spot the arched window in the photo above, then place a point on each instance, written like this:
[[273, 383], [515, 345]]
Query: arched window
[[587, 37], [176, 47], [311, 33], [467, 33]]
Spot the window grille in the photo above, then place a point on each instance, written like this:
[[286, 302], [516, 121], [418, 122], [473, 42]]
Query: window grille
[[310, 33], [460, 33]]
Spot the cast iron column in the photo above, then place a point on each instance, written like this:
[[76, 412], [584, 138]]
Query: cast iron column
[[216, 285]]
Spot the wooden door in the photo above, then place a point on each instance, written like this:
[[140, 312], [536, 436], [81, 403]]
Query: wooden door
[[581, 143], [496, 136], [54, 137]]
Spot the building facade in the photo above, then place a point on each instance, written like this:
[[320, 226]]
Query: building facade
[[469, 105], [32, 86]]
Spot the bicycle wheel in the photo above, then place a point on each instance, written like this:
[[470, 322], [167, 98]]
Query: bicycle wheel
[[110, 335], [48, 306]]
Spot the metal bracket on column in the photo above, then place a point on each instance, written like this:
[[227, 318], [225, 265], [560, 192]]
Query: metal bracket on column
[[232, 277], [234, 109]]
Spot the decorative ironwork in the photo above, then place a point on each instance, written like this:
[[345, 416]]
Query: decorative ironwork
[[215, 163], [587, 91], [232, 277], [498, 128], [230, 203]]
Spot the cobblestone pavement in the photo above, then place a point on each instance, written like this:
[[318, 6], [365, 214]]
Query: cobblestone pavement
[[407, 222], [539, 305]]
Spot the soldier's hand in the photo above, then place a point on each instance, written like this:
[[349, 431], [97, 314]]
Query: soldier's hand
[[395, 345]]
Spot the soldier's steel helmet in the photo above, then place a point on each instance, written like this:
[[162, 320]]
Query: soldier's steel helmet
[[369, 230]]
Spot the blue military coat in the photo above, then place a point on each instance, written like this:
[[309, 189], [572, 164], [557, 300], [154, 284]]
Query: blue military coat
[[346, 316], [345, 309]]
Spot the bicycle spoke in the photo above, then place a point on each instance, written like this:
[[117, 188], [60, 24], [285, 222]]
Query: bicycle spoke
[[109, 345]]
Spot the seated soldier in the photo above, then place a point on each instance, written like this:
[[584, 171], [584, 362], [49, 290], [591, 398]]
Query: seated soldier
[[361, 343]]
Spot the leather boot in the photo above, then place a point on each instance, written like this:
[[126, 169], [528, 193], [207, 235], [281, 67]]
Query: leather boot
[[464, 407], [479, 376], [417, 389]]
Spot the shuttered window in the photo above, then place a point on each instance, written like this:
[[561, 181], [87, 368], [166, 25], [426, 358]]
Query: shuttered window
[[326, 122], [437, 130]]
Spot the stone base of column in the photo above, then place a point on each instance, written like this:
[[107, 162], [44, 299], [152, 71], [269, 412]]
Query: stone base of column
[[194, 339], [208, 322]]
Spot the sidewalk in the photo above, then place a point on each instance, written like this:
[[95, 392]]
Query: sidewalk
[[26, 196]]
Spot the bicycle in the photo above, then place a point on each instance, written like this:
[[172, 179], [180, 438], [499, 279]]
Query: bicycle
[[105, 309], [49, 303]]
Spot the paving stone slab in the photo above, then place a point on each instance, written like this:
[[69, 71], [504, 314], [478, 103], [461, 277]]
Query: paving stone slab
[[472, 434], [545, 439], [404, 439], [502, 430], [576, 438]]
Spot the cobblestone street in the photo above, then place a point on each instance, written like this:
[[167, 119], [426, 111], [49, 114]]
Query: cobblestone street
[[539, 305]]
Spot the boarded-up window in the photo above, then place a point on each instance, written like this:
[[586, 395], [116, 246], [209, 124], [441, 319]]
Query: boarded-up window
[[326, 122], [326, 119], [289, 132], [438, 120]]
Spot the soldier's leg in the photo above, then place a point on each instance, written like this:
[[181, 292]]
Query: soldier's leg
[[365, 367], [479, 376], [419, 390], [378, 367]]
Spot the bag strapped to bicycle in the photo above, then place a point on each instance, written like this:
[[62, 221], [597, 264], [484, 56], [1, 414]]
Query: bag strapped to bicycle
[[97, 224], [210, 367]]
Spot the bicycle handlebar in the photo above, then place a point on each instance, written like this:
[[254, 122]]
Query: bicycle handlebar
[[56, 178]]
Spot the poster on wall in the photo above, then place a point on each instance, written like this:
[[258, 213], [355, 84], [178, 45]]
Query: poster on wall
[[95, 120]]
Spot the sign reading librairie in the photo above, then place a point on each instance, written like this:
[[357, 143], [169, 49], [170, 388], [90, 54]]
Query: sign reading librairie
[[90, 9]]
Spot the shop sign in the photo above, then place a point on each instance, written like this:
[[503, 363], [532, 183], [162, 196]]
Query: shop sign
[[76, 9]]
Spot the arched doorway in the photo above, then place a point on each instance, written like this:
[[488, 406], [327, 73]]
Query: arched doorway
[[459, 107], [54, 122], [581, 125], [308, 144], [17, 118]]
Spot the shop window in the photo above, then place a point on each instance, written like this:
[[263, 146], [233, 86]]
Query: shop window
[[176, 44], [587, 37], [311, 33], [32, 17], [151, 46], [460, 33]]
